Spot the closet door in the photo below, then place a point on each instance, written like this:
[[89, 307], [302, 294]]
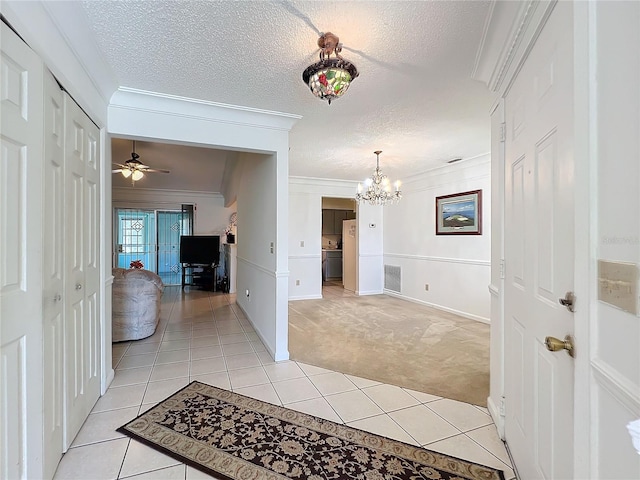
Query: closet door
[[81, 319], [20, 259], [53, 277]]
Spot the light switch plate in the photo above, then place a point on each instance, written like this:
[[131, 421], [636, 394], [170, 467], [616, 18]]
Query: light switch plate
[[618, 285]]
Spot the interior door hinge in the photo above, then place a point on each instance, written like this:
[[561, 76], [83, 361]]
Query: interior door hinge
[[502, 406], [503, 132], [502, 268]]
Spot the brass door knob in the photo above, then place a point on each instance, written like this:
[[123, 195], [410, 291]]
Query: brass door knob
[[554, 344]]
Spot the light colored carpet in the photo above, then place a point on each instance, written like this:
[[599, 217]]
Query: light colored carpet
[[393, 341]]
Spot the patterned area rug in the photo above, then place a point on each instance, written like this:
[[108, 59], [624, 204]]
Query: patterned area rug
[[231, 436]]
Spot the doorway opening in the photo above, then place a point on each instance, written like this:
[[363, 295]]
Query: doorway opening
[[339, 240], [152, 237]]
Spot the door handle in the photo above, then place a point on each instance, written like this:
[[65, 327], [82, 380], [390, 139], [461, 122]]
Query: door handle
[[554, 344], [78, 286], [57, 298], [568, 301]]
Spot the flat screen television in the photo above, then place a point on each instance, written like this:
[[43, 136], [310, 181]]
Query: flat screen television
[[200, 249]]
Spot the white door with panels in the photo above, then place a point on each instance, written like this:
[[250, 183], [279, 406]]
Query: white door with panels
[[20, 259], [49, 265], [81, 319], [539, 255], [53, 274]]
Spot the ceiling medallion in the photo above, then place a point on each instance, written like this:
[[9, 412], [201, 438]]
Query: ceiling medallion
[[378, 191], [330, 77]]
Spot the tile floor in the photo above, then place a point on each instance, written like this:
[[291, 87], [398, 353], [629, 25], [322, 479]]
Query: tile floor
[[204, 336]]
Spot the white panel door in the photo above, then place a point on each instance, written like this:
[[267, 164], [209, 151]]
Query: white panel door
[[53, 269], [82, 332], [539, 186], [20, 259]]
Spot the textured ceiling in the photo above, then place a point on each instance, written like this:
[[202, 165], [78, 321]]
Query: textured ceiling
[[414, 99], [191, 168]]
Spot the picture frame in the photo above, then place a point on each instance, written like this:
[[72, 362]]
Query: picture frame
[[459, 213]]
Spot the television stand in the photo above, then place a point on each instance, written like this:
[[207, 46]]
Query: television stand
[[198, 275]]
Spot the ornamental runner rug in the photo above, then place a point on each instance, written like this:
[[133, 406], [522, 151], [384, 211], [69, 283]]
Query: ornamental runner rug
[[231, 436]]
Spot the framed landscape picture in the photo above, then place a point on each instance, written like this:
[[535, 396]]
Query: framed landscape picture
[[459, 214]]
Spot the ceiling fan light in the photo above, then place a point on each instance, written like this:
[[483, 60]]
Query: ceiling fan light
[[126, 173], [137, 175]]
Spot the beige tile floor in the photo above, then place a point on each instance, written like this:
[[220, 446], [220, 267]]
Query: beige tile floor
[[204, 336]]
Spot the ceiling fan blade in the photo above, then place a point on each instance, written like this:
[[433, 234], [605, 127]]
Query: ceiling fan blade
[[118, 170], [156, 170], [120, 165]]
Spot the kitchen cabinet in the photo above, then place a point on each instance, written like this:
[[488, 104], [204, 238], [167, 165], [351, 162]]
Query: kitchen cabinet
[[332, 220], [328, 218], [339, 216], [334, 264]]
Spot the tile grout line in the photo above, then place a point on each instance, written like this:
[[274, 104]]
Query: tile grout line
[[271, 382]]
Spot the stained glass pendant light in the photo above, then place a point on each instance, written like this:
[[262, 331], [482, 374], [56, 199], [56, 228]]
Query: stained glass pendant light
[[329, 78]]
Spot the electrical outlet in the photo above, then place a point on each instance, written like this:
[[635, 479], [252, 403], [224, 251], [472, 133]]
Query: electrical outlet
[[271, 247], [426, 287], [297, 282], [302, 243]]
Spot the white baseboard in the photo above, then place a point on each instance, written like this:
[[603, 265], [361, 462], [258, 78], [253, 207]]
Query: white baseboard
[[306, 297], [107, 382], [470, 316], [494, 411], [369, 292], [282, 357]]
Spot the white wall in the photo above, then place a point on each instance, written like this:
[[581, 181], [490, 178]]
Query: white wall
[[257, 274], [615, 358], [457, 268], [231, 178], [305, 226]]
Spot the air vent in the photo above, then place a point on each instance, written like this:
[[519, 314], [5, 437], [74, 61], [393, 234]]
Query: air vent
[[393, 278]]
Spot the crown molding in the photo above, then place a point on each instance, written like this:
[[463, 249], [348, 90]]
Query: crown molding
[[323, 182], [435, 175], [510, 30], [157, 102]]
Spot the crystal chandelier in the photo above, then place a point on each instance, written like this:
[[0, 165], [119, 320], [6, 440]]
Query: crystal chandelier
[[378, 188], [330, 77]]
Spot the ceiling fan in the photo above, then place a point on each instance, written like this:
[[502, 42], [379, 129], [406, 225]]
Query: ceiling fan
[[134, 168]]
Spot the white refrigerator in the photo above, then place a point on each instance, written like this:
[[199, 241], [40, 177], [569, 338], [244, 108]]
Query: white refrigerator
[[349, 243]]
